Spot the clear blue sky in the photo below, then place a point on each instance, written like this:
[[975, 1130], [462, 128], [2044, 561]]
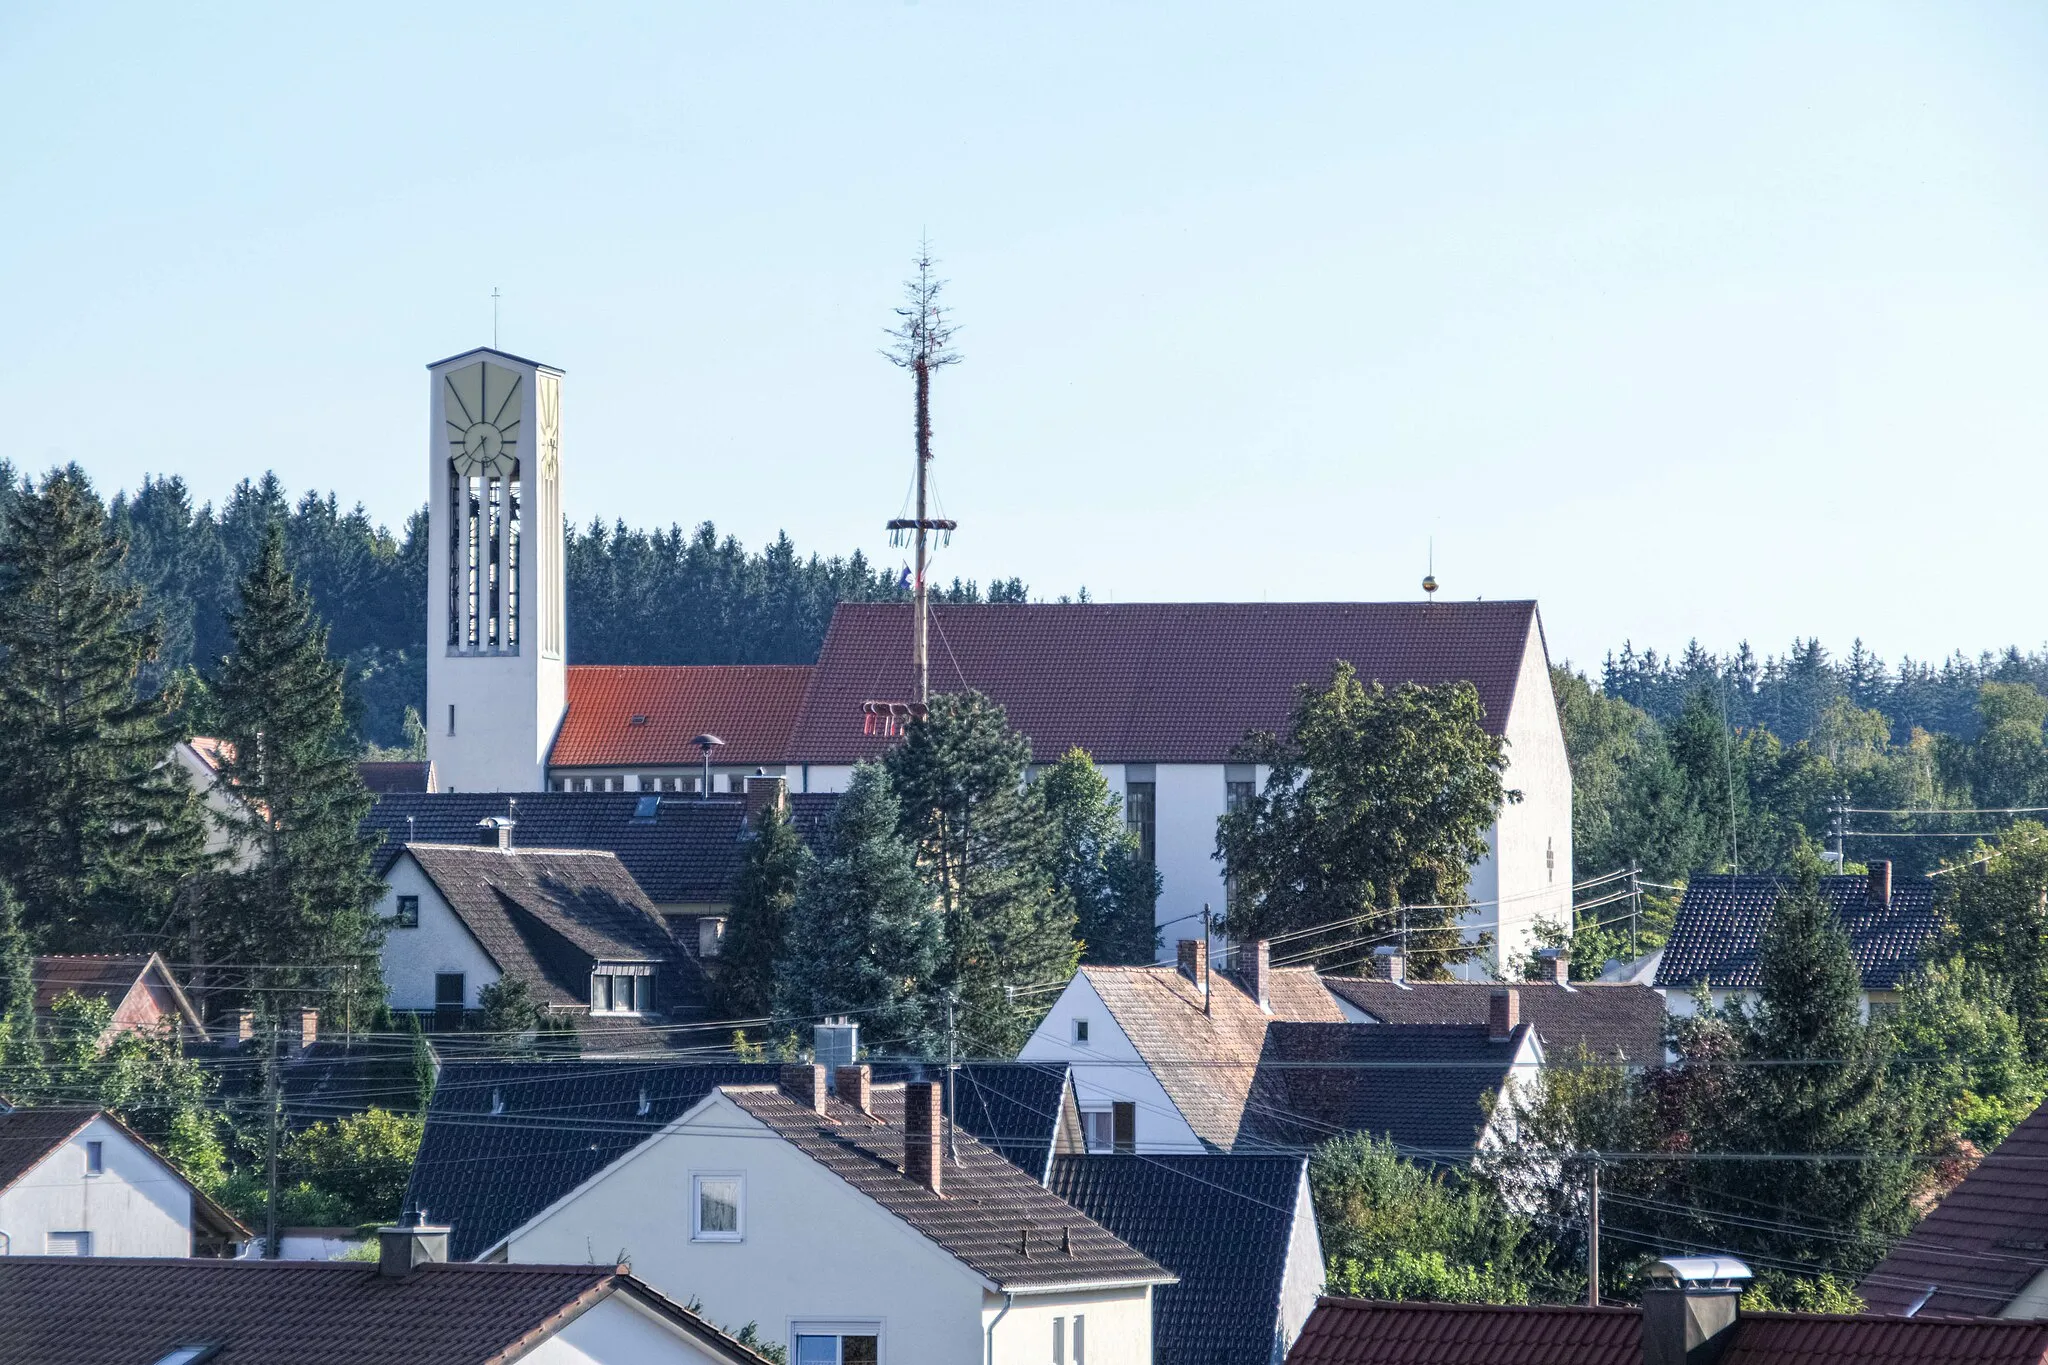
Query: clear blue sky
[[1715, 320]]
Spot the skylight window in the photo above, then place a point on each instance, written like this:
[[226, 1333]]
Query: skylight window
[[190, 1355], [646, 807]]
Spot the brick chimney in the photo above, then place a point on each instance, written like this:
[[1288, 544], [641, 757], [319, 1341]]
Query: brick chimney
[[1503, 1014], [805, 1084], [1255, 965], [1194, 960], [923, 1159], [1556, 967], [309, 1031], [764, 794], [1881, 885], [242, 1027], [1389, 963], [854, 1085]]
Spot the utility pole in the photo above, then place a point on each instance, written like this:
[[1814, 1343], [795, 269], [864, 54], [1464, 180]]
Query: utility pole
[[1205, 957], [1635, 907], [952, 1079], [273, 1103], [1593, 1235], [921, 343]]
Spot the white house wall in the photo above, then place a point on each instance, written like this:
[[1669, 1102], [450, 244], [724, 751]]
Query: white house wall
[[1532, 840], [1305, 1271], [1118, 1327], [136, 1206], [442, 943], [618, 1331], [1109, 1069]]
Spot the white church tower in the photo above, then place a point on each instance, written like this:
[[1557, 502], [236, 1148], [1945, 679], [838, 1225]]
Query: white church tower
[[495, 643]]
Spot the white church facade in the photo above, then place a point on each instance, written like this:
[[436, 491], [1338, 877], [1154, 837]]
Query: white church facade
[[1159, 695]]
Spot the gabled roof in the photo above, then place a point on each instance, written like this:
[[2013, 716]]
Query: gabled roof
[[1721, 922], [504, 1140], [1358, 1332], [1205, 1061], [1420, 1086], [1364, 1332], [1615, 1023], [112, 978], [495, 353], [547, 915], [383, 777], [689, 851], [116, 1311], [27, 1136], [993, 1218], [1024, 1110], [640, 715], [1150, 682], [1224, 1224], [1982, 1244]]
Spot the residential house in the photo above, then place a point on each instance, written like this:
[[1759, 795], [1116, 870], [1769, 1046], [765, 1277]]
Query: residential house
[[858, 1228], [1239, 1231], [388, 777], [1677, 1323], [1164, 1056], [1430, 1089], [1983, 1250], [1717, 938], [505, 1140], [571, 923], [202, 758], [407, 1307], [79, 1182], [138, 988], [1613, 1023]]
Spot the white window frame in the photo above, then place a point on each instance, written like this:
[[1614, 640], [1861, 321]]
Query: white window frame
[[840, 1327], [95, 1157], [1081, 1031], [399, 918], [697, 1232], [1106, 1116]]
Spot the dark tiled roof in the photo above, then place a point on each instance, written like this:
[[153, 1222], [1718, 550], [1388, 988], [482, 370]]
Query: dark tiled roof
[[1205, 1059], [993, 1218], [383, 778], [1358, 1332], [1354, 1332], [1017, 1108], [749, 706], [558, 1124], [1981, 1244], [1150, 683], [1721, 922], [547, 916], [1623, 1023], [29, 1135], [690, 852], [1221, 1223], [1421, 1086], [68, 1311]]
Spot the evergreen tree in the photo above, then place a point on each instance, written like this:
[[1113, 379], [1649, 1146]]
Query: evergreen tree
[[1097, 864], [861, 937], [983, 849], [97, 830], [19, 1053], [743, 978], [302, 909], [1379, 798]]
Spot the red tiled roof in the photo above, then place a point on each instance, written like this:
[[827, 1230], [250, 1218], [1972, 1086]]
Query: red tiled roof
[[749, 706], [1982, 1243], [1358, 1332], [1152, 682], [100, 976]]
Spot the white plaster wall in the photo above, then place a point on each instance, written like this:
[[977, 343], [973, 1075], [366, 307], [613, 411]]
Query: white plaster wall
[[618, 1331], [137, 1207], [821, 777], [1305, 1272], [442, 943], [1108, 1068], [1532, 840], [1118, 1331], [508, 706], [814, 1248]]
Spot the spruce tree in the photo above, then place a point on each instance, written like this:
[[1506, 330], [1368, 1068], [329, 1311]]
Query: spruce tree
[[984, 849], [302, 908], [20, 1054], [743, 976], [1096, 861], [861, 936], [97, 829]]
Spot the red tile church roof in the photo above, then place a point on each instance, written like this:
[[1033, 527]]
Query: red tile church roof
[[1153, 682], [749, 706]]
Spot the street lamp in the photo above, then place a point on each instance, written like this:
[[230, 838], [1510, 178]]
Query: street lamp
[[707, 743]]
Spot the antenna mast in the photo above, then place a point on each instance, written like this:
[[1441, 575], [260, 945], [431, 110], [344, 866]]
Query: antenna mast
[[921, 346]]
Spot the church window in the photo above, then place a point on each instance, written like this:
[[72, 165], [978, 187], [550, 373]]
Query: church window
[[451, 717], [1141, 816]]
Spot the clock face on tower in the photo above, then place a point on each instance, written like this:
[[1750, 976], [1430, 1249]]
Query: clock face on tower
[[480, 412]]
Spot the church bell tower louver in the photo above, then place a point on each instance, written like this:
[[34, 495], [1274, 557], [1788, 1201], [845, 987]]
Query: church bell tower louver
[[496, 646]]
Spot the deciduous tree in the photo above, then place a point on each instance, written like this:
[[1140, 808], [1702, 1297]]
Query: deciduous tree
[[1097, 864]]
